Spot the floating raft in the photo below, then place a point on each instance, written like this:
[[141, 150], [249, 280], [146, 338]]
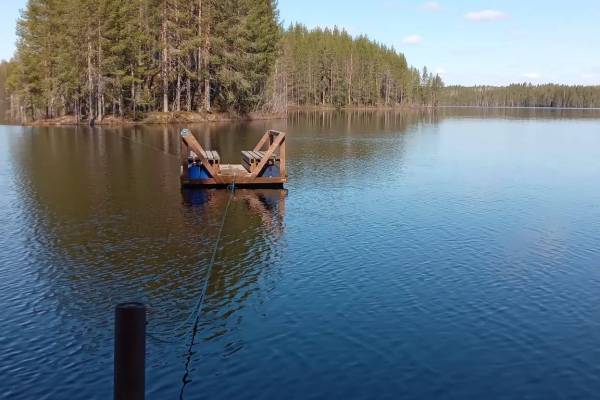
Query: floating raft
[[262, 167]]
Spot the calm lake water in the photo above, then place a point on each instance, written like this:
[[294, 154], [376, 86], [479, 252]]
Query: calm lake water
[[453, 255]]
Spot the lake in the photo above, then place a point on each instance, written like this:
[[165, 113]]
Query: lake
[[451, 254]]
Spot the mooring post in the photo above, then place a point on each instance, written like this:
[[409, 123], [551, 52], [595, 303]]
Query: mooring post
[[130, 352]]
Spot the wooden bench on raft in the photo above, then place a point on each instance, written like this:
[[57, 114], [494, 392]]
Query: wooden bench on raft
[[252, 159], [212, 156], [263, 166]]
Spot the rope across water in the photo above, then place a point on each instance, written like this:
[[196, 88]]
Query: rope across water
[[168, 335], [194, 315], [188, 362]]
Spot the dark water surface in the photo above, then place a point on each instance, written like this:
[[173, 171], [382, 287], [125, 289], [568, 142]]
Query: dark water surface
[[449, 256]]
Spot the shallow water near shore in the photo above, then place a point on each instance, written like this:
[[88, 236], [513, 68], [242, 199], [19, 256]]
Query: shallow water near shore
[[451, 254]]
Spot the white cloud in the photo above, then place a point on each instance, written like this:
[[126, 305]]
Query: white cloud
[[432, 6], [486, 15], [532, 75], [440, 71], [412, 39]]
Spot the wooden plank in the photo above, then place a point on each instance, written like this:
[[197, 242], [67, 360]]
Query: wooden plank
[[247, 167], [275, 157], [239, 180], [261, 154], [282, 151], [278, 140], [250, 157], [184, 153], [261, 143], [192, 143], [246, 156], [234, 169]]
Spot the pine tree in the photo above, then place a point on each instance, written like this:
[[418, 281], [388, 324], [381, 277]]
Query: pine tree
[[91, 58]]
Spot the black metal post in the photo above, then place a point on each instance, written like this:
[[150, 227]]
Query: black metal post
[[130, 352]]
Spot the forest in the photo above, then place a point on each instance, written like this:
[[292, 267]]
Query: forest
[[93, 58], [330, 67], [4, 105], [522, 95], [97, 58], [90, 58]]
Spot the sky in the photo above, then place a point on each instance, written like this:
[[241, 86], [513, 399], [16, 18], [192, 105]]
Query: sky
[[9, 13], [467, 42]]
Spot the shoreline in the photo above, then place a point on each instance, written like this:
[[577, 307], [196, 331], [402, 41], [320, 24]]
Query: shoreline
[[157, 118], [359, 108], [184, 117]]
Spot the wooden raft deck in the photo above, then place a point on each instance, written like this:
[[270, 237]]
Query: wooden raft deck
[[263, 167]]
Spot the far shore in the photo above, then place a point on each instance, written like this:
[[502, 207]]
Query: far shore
[[157, 118], [183, 117]]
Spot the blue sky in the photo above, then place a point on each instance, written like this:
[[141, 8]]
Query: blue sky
[[467, 41], [9, 13]]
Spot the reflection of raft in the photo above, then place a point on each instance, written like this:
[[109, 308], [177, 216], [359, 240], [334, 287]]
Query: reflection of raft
[[262, 167]]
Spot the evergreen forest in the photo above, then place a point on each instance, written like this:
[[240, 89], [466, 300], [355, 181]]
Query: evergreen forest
[[94, 58]]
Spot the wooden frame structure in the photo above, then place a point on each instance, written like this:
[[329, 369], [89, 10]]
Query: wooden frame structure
[[262, 167]]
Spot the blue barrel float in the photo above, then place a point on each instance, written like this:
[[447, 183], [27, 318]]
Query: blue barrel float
[[197, 172], [271, 171]]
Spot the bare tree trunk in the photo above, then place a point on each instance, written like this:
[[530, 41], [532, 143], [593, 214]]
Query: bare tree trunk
[[90, 84], [331, 86], [350, 80], [387, 90], [207, 94], [188, 85], [100, 80], [206, 70], [310, 90], [133, 95], [100, 105], [178, 93], [165, 60], [286, 91], [199, 62], [12, 107], [76, 110]]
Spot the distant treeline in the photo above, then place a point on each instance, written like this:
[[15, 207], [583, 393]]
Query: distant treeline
[[330, 67], [522, 95], [91, 58]]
